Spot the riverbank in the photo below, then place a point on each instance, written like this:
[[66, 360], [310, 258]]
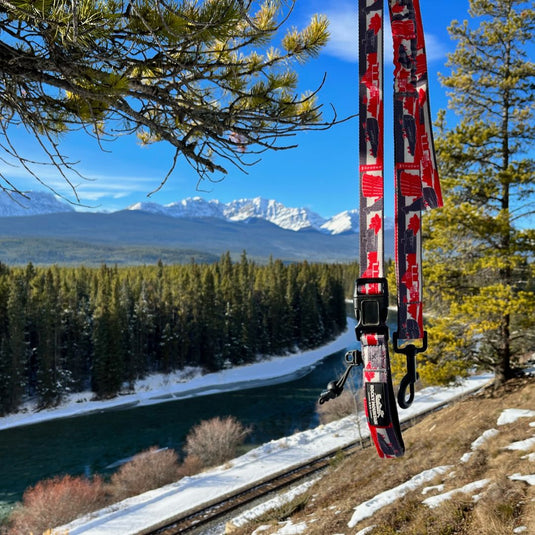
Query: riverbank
[[190, 382], [143, 513]]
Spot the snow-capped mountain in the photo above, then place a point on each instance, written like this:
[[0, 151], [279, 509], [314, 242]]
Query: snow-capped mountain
[[178, 232], [346, 221], [31, 203], [242, 210], [245, 209], [195, 207]]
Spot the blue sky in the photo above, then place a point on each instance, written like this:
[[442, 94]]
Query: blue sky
[[321, 174]]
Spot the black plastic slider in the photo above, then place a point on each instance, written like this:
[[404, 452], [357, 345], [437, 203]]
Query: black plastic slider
[[371, 309], [335, 388]]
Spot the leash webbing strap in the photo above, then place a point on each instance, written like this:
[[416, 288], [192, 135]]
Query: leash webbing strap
[[417, 188], [416, 175]]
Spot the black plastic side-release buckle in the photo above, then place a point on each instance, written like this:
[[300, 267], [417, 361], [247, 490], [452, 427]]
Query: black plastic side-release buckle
[[371, 309]]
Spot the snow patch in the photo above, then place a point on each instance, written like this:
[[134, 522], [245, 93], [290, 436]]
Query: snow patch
[[478, 442], [270, 505], [368, 508], [522, 445], [289, 528], [529, 479], [509, 416], [427, 490], [435, 501]]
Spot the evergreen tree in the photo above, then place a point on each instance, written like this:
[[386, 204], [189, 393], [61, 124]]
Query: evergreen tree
[[77, 317], [171, 358], [333, 299], [277, 314], [47, 324], [106, 378], [212, 323], [293, 298], [311, 320], [14, 343], [479, 245], [69, 329]]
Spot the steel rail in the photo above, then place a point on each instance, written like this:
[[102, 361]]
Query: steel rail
[[193, 520]]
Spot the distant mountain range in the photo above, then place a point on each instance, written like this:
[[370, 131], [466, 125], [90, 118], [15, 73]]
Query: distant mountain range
[[39, 203], [31, 203], [295, 219], [47, 230]]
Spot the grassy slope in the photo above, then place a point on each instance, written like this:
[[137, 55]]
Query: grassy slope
[[441, 438]]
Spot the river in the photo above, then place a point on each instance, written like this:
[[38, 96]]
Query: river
[[95, 443]]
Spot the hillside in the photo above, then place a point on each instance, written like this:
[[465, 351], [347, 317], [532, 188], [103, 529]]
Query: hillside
[[76, 237], [500, 472]]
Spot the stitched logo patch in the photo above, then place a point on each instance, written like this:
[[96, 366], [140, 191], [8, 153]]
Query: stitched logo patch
[[377, 404]]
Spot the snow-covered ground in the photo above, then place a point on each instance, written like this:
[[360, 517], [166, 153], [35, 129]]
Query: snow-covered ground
[[139, 513], [187, 383]]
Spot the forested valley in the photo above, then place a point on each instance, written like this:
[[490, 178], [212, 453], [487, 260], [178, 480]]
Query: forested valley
[[67, 329]]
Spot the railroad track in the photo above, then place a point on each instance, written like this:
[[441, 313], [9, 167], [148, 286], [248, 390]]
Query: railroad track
[[196, 520], [193, 521]]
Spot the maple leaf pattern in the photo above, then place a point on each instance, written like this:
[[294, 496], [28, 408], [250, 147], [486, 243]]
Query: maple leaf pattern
[[414, 224], [376, 223], [369, 374], [376, 23]]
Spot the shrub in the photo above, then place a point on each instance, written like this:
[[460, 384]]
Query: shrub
[[215, 441], [344, 405], [57, 501], [192, 465], [150, 469]]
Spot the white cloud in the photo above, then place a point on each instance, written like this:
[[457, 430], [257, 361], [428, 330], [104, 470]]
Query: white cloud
[[98, 186], [343, 27], [343, 44]]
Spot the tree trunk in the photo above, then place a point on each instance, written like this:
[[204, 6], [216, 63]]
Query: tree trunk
[[503, 371]]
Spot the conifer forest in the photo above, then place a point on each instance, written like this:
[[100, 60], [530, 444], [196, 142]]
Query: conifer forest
[[65, 329]]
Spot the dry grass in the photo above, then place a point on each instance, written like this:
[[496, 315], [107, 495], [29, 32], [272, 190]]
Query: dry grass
[[441, 438]]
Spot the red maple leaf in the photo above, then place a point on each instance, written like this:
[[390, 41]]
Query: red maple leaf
[[376, 23], [396, 8], [368, 373], [414, 224], [375, 223]]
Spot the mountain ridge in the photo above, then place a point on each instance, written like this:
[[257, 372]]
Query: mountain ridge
[[260, 239], [289, 218], [17, 204], [201, 231]]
